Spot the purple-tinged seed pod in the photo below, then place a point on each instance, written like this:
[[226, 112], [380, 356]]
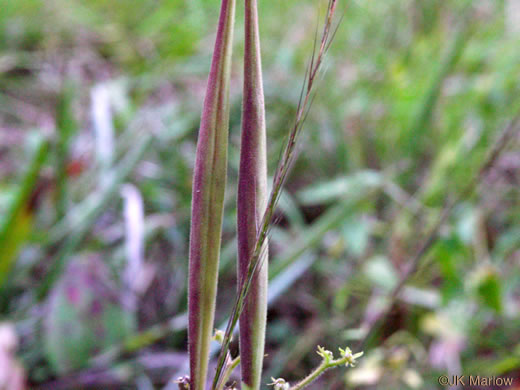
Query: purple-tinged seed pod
[[252, 201], [208, 201]]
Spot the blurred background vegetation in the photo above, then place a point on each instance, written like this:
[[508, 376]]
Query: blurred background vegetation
[[99, 110]]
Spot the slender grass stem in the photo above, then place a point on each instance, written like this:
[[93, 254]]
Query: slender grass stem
[[228, 371]]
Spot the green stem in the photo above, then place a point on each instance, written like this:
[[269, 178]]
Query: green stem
[[318, 371], [228, 371]]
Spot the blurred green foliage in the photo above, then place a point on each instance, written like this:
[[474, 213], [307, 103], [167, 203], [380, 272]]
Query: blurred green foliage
[[86, 316]]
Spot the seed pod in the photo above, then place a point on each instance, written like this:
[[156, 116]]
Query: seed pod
[[208, 201], [252, 200]]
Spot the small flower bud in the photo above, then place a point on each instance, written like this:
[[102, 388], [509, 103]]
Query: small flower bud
[[350, 358], [325, 354], [183, 382], [218, 336], [279, 384]]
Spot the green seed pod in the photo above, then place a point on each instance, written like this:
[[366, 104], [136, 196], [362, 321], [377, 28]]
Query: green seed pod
[[85, 316]]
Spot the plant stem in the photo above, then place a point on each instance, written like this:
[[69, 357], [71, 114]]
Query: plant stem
[[318, 371], [228, 371]]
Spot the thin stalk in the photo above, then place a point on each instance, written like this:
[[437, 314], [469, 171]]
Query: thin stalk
[[318, 371], [280, 176], [347, 359], [228, 371], [208, 201], [251, 203]]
